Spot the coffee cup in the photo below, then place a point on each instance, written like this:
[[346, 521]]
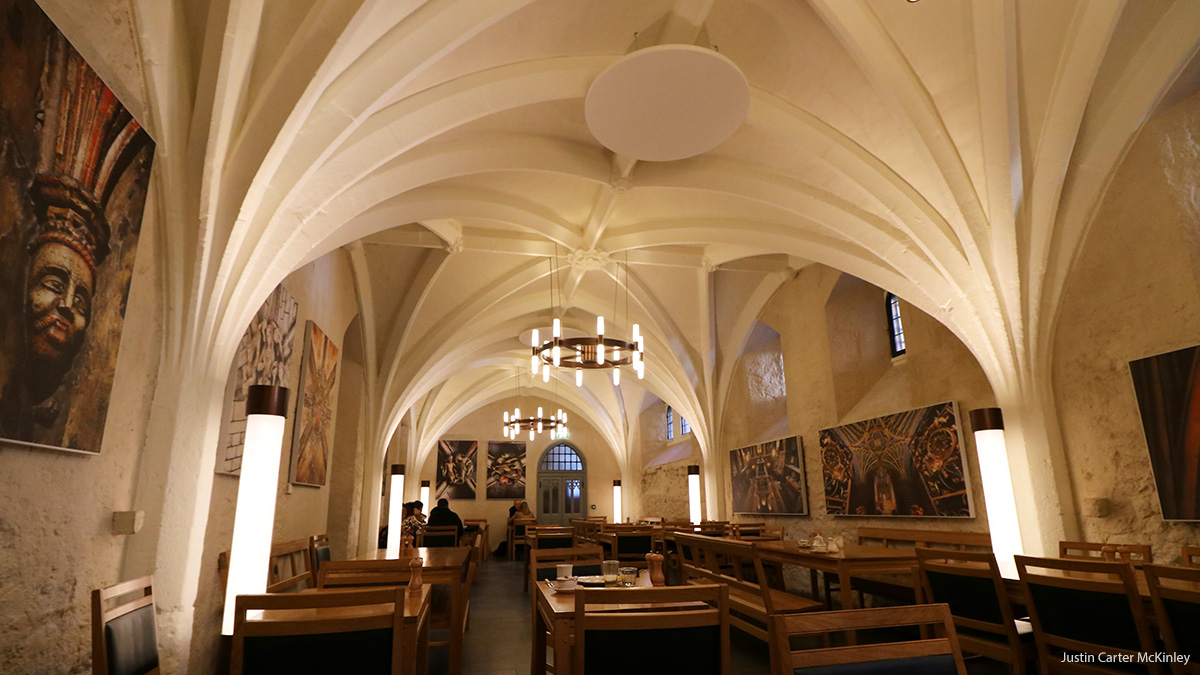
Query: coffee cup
[[564, 570], [565, 584]]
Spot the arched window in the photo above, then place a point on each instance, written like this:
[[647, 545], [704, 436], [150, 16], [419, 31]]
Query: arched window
[[670, 423], [561, 457], [684, 427], [895, 327]]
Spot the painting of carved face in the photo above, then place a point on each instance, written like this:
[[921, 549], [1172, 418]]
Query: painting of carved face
[[60, 302]]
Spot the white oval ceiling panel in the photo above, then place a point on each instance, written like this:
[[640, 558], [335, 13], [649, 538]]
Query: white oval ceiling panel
[[667, 102]]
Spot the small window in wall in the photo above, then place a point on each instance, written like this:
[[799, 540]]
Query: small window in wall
[[895, 326], [561, 457], [670, 423], [684, 427]]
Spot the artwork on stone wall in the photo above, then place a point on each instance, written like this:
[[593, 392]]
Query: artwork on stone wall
[[1168, 396], [506, 470], [456, 470], [312, 431], [768, 478], [264, 356], [74, 169], [907, 464]]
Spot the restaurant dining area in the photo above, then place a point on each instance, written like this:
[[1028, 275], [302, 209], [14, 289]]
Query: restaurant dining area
[[576, 337]]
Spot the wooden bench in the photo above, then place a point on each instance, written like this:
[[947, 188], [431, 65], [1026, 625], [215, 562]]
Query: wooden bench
[[289, 567], [706, 560], [906, 587]]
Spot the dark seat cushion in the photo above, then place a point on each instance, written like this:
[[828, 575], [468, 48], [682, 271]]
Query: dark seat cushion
[[1184, 618], [132, 643], [440, 540], [319, 654], [1087, 616], [696, 651], [915, 665], [323, 555]]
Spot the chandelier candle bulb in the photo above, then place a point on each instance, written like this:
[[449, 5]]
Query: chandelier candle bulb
[[616, 377], [505, 432], [506, 417], [637, 331], [578, 377], [534, 340], [600, 326], [557, 352], [545, 372], [533, 364], [557, 329], [531, 434]]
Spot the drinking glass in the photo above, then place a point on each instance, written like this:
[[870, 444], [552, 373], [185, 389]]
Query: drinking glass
[[629, 576], [610, 570]]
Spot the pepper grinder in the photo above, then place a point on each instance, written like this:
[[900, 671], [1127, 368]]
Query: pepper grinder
[[655, 561]]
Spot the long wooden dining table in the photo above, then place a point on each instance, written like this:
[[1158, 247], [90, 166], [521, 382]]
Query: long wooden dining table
[[442, 567]]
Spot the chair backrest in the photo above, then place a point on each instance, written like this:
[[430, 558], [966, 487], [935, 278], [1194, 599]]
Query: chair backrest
[[650, 520], [363, 573], [1138, 554], [757, 530], [1176, 593], [124, 639], [713, 528], [553, 536], [1084, 606], [289, 566], [704, 560], [631, 546], [438, 536], [969, 583], [585, 559], [1191, 556], [313, 632], [318, 553], [519, 524], [685, 626], [934, 656]]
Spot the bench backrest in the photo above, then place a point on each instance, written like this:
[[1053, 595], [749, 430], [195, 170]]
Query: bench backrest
[[706, 560], [912, 537]]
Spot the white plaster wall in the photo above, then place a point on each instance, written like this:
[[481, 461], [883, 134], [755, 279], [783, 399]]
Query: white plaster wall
[[56, 540], [324, 292], [823, 319], [483, 425], [1132, 293]]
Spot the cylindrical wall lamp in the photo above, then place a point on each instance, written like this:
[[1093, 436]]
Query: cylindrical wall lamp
[[617, 518], [425, 495], [988, 425], [693, 474], [395, 512], [249, 556]]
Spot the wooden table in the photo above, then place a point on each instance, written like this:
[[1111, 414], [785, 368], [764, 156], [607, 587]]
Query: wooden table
[[554, 614], [850, 560], [445, 566], [415, 625]]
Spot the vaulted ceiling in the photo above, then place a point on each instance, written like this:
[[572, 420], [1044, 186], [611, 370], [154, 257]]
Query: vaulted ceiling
[[952, 151]]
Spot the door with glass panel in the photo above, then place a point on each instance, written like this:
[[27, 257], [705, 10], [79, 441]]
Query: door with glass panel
[[562, 485]]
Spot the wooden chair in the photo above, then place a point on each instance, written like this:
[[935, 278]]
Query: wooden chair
[[1191, 556], [631, 546], [969, 583], [548, 537], [438, 536], [516, 534], [318, 553], [650, 520], [295, 640], [752, 602], [1138, 554], [936, 656], [289, 570], [363, 573], [757, 530], [713, 528], [693, 635], [124, 639], [1083, 606], [585, 561], [1176, 594]]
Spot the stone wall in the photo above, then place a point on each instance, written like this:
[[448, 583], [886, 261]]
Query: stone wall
[[837, 368], [664, 491], [1133, 293]]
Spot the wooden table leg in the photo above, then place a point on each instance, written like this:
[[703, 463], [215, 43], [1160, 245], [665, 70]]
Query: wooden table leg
[[456, 625], [847, 599], [422, 659], [537, 659], [562, 647]]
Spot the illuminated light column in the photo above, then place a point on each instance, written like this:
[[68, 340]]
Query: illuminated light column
[[254, 520], [395, 512], [988, 424], [693, 474], [425, 489], [617, 518]]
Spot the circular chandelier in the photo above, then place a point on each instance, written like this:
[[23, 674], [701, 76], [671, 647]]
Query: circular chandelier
[[588, 353], [514, 424]]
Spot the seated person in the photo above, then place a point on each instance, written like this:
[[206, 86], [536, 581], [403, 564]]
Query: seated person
[[441, 515]]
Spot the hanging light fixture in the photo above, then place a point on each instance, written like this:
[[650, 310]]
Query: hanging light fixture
[[514, 424], [589, 353]]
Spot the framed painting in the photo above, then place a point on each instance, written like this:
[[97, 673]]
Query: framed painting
[[506, 470], [312, 431], [907, 464], [74, 172], [1167, 388], [456, 469], [264, 356], [768, 478]]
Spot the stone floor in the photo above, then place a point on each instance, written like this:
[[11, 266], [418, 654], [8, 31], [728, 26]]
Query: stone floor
[[500, 636]]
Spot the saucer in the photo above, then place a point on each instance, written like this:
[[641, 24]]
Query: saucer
[[591, 581], [556, 589]]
